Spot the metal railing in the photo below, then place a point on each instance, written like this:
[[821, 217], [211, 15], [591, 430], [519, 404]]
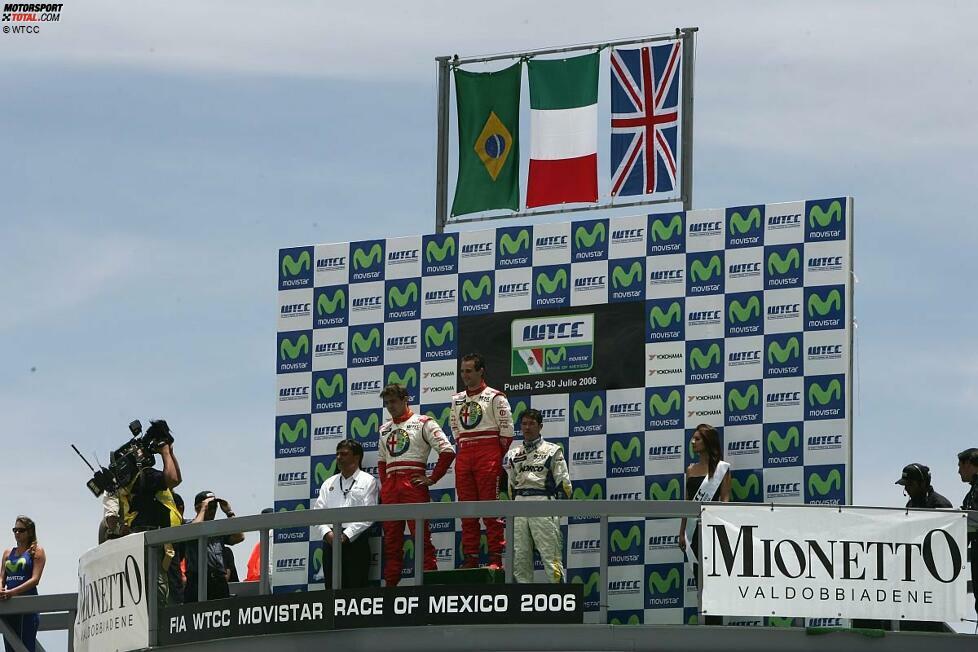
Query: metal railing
[[57, 612], [601, 510]]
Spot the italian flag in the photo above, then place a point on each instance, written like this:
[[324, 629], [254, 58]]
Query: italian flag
[[563, 131]]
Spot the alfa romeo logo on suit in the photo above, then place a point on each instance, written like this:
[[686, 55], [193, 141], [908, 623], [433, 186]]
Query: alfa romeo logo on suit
[[471, 414], [398, 442]]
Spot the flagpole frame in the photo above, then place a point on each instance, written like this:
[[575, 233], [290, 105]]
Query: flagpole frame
[[447, 63]]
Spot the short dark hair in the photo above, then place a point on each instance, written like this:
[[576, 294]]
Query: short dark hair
[[532, 413], [353, 446], [480, 362], [969, 455], [395, 390]]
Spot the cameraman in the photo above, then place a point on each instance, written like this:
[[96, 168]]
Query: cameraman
[[206, 504], [147, 502]]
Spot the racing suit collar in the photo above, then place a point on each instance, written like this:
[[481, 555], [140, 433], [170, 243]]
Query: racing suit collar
[[404, 417], [478, 390], [533, 445]]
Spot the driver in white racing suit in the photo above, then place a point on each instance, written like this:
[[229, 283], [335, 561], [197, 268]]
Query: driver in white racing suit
[[537, 471]]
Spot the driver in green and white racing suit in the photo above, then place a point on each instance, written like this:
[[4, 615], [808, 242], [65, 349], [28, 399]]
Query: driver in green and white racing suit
[[537, 471]]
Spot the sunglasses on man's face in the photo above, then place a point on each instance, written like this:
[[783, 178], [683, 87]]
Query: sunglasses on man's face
[[19, 530]]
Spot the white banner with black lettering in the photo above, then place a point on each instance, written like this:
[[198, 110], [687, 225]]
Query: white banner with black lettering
[[112, 597], [834, 563]]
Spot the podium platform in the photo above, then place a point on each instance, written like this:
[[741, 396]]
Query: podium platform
[[462, 576]]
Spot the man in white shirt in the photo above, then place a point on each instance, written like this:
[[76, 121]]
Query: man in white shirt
[[351, 487]]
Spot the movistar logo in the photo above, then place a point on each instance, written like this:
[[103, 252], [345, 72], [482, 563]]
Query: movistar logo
[[590, 584], [317, 560], [511, 246], [363, 344], [822, 486], [700, 360], [776, 621], [823, 218], [740, 402], [291, 434], [409, 379], [365, 259], [556, 356], [621, 453], [739, 224], [620, 542], [739, 312], [660, 584], [585, 238], [662, 231], [401, 299], [326, 390], [433, 252], [622, 279], [473, 292], [295, 266], [327, 306], [672, 490], [15, 566], [586, 411], [549, 284], [361, 429], [442, 418], [298, 508], [823, 396], [701, 273], [751, 487], [632, 620], [595, 493], [781, 443], [778, 265], [290, 350], [323, 472], [821, 307], [436, 337], [775, 352], [408, 549], [661, 406], [664, 318]]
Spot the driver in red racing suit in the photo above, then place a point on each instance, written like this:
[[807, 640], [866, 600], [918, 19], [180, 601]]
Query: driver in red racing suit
[[483, 427], [405, 444]]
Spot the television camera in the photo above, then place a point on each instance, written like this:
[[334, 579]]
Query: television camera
[[129, 459]]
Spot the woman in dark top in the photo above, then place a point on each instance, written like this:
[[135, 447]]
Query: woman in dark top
[[706, 444], [20, 571]]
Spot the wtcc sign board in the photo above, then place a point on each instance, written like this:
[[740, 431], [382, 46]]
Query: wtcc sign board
[[626, 333], [828, 563]]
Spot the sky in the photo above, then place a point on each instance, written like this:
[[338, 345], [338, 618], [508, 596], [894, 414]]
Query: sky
[[155, 156]]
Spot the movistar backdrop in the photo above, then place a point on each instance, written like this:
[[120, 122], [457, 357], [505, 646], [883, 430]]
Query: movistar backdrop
[[626, 333]]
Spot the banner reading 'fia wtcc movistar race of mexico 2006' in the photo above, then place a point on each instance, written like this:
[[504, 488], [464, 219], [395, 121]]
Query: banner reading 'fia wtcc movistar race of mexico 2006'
[[625, 332]]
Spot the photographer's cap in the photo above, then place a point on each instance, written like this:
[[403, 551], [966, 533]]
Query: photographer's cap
[[914, 472], [202, 496]]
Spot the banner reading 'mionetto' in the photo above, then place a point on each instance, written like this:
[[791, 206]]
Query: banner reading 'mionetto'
[[834, 563]]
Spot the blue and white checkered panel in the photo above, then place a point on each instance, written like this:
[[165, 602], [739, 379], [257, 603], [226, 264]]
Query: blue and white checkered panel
[[747, 328]]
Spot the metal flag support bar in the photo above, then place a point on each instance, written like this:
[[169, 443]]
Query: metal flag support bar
[[446, 63]]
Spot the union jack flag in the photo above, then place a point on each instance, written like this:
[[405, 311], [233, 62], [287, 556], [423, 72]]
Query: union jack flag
[[645, 119]]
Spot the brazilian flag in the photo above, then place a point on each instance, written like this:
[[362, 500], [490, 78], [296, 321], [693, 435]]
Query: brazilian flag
[[488, 108]]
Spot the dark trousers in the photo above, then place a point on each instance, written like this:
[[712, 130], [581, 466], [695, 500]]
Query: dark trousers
[[973, 557], [355, 560], [25, 626], [217, 587]]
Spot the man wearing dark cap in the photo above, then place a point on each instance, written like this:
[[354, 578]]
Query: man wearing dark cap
[[968, 470], [916, 482], [206, 504]]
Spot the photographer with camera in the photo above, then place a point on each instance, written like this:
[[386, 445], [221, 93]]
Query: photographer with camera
[[206, 504], [137, 496]]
